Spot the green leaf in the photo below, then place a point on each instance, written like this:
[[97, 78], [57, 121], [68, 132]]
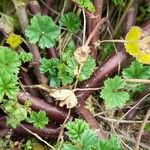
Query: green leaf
[[71, 65], [16, 116], [8, 85], [71, 21], [111, 144], [76, 129], [25, 57], [9, 60], [68, 52], [42, 30], [86, 4], [28, 145], [118, 2], [63, 74], [87, 69], [70, 147], [113, 93], [39, 119], [147, 128], [54, 81], [88, 139], [49, 66], [106, 51], [136, 71]]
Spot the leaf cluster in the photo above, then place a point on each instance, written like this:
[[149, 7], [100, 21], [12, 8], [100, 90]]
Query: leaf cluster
[[116, 92], [82, 137], [39, 119], [65, 70]]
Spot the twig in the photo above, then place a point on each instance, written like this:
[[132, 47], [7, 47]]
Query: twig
[[132, 109], [38, 137], [137, 81], [137, 143], [63, 126], [122, 121], [84, 26]]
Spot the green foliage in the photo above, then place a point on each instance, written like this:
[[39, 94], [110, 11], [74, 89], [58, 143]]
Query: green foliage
[[8, 85], [68, 52], [106, 51], [39, 119], [147, 128], [9, 60], [113, 93], [87, 69], [49, 67], [71, 21], [76, 129], [25, 57], [86, 4], [118, 2], [28, 145], [42, 30], [64, 75], [88, 139], [82, 137], [110, 144], [136, 71], [70, 147], [15, 112]]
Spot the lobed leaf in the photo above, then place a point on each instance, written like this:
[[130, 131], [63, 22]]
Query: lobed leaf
[[113, 93], [42, 31]]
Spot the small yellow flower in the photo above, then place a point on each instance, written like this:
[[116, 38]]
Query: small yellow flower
[[14, 40], [137, 44]]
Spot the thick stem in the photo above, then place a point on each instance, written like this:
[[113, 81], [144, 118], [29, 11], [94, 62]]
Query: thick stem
[[92, 21], [48, 3], [88, 117], [21, 13], [51, 53], [46, 133], [131, 17], [106, 69], [54, 113], [33, 7], [36, 59], [23, 18], [26, 80]]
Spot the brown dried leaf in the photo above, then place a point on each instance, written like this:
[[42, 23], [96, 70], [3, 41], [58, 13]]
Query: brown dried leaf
[[81, 54], [66, 96]]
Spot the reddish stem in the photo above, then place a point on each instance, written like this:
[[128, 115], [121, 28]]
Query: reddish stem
[[46, 133], [87, 116], [92, 21], [48, 3], [33, 7], [51, 53], [26, 80], [131, 17], [54, 113], [106, 69]]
